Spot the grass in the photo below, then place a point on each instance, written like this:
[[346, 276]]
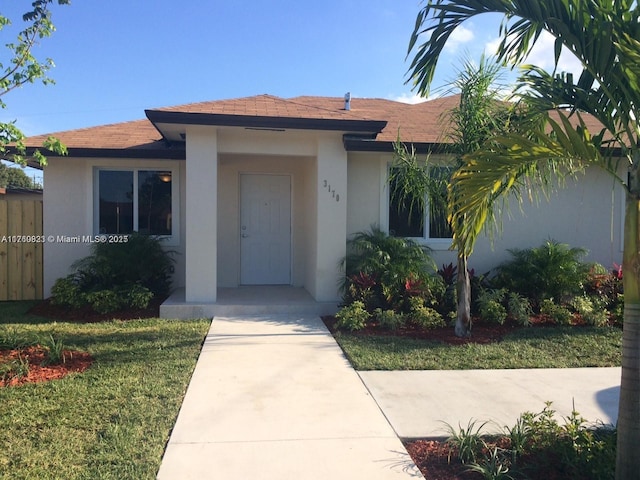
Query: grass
[[548, 347], [112, 421]]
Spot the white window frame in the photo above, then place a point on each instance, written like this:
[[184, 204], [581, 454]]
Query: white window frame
[[433, 243], [170, 240]]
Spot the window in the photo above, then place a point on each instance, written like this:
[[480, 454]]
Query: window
[[135, 200], [416, 223]]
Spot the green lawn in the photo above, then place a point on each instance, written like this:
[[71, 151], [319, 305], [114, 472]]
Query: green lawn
[[548, 347], [110, 422]]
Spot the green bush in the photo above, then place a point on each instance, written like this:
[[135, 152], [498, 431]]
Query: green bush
[[423, 316], [117, 275], [141, 260], [352, 317], [519, 308], [557, 313], [104, 301], [66, 291], [389, 320], [538, 446], [490, 306], [592, 313], [384, 271], [137, 296], [552, 270]]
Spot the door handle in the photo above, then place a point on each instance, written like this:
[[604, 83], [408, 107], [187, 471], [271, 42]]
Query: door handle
[[244, 235]]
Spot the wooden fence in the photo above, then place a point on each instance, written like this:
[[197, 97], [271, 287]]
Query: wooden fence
[[21, 244]]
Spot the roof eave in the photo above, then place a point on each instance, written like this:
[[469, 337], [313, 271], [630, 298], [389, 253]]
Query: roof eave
[[360, 144], [175, 152], [159, 117]]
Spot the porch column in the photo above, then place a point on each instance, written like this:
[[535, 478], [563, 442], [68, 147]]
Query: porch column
[[331, 231], [201, 214]]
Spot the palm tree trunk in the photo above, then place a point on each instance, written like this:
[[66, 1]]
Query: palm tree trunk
[[463, 289], [627, 458]]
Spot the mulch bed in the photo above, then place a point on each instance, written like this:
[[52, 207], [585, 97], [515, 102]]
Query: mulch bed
[[75, 361], [39, 371]]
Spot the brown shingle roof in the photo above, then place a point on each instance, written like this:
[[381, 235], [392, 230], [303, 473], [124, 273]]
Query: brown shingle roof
[[267, 106], [138, 134], [418, 123]]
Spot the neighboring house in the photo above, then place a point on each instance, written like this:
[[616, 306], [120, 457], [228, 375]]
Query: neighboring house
[[266, 190], [20, 193]]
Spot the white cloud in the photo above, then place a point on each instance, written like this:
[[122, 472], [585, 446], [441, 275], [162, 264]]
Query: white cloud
[[460, 36], [408, 98], [543, 53]]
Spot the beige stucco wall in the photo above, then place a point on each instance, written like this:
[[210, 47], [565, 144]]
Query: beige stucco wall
[[68, 211], [587, 213]]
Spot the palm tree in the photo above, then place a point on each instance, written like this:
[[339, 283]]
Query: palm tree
[[603, 35], [478, 116]]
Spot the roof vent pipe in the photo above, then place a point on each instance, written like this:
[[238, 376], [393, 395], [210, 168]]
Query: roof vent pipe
[[347, 101]]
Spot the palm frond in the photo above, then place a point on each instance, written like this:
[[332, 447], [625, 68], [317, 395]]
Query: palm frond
[[508, 166]]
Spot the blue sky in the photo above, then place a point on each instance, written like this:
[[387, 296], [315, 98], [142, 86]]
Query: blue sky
[[114, 58]]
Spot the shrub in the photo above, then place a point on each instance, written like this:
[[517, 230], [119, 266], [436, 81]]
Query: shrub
[[117, 275], [557, 313], [592, 313], [352, 317], [389, 320], [617, 312], [140, 260], [137, 296], [67, 291], [384, 271], [423, 316], [519, 308], [552, 270], [104, 301], [490, 306]]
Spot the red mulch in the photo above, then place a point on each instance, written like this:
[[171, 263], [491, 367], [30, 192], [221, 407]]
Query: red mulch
[[75, 361], [38, 370], [432, 458]]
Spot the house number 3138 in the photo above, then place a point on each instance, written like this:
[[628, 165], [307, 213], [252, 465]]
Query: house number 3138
[[332, 191]]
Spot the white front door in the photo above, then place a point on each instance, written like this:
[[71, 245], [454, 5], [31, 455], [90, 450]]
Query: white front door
[[265, 229]]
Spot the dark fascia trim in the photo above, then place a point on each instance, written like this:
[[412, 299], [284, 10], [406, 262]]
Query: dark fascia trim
[[360, 144], [251, 121], [176, 152]]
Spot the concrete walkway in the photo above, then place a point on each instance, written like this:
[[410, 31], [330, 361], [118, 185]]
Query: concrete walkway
[[273, 397], [422, 403]]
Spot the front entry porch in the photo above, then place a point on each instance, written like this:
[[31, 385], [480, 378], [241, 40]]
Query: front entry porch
[[248, 300]]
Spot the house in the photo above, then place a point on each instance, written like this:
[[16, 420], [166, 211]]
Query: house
[[20, 193], [266, 190]]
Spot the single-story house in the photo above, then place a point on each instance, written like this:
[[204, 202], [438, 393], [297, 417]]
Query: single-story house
[[265, 190]]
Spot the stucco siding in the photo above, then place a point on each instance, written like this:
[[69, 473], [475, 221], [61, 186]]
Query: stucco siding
[[363, 180], [68, 212], [586, 213], [67, 206]]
